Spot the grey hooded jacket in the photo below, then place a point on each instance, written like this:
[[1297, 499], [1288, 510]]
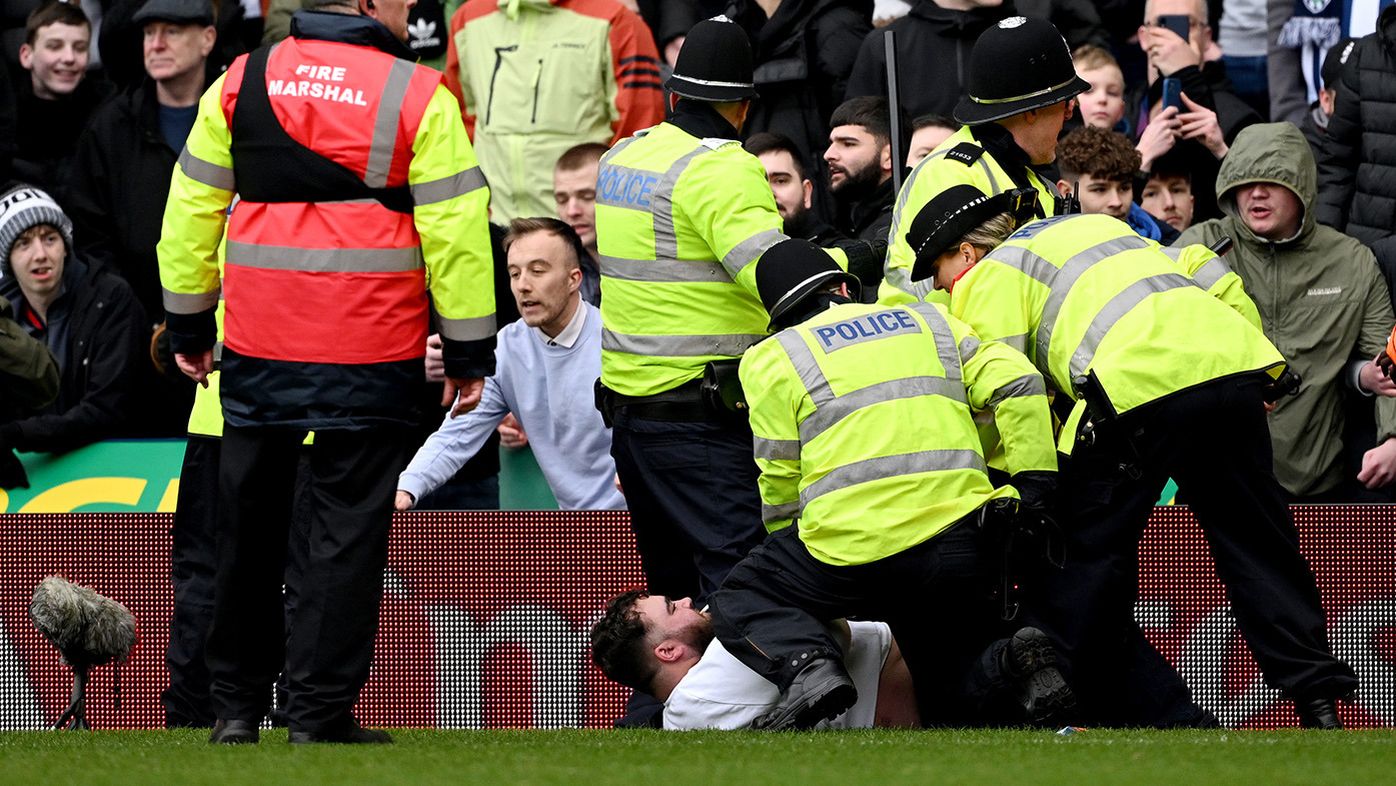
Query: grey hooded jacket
[[1322, 302]]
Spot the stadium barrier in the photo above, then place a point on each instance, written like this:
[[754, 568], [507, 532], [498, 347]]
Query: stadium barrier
[[485, 616]]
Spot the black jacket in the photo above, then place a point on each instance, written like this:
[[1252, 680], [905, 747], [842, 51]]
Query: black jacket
[[869, 218], [933, 46], [116, 196], [803, 56], [1357, 168], [47, 139], [101, 358]]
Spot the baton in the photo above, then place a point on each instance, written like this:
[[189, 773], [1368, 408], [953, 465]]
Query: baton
[[889, 42]]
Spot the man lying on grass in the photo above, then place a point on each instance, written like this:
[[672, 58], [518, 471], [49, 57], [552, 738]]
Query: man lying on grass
[[666, 648]]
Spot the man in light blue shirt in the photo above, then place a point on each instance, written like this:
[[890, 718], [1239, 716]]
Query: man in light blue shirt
[[547, 364]]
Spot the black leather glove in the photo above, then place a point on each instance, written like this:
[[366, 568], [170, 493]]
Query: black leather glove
[[1037, 490], [1037, 514], [12, 474]]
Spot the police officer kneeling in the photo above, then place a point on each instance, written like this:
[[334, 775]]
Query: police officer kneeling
[[1158, 379], [874, 485]]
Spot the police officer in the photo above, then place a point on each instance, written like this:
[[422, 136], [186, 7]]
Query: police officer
[[1020, 92], [683, 213], [353, 172], [1158, 379], [875, 487]]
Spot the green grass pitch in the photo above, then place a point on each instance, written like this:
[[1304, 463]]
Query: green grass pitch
[[587, 758]]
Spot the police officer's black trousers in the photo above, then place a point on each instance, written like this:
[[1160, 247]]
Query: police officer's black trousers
[[935, 597], [1214, 441], [327, 654], [694, 505]]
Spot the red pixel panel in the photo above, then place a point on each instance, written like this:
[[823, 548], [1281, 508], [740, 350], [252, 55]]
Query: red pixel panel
[[485, 616]]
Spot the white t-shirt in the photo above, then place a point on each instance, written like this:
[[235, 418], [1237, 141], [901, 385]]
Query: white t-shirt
[[720, 692]]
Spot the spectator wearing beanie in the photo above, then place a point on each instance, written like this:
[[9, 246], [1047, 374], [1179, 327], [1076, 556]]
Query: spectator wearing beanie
[[88, 318]]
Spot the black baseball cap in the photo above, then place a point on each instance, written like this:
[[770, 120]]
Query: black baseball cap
[[184, 12]]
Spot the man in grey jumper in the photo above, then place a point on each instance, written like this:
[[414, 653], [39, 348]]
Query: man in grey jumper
[[546, 366]]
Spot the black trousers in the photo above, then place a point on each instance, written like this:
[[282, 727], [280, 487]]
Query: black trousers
[[694, 505], [327, 654], [1214, 441], [934, 596], [193, 563]]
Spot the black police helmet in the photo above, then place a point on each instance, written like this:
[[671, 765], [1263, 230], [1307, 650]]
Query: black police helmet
[[790, 271], [1017, 65], [714, 64], [953, 213]]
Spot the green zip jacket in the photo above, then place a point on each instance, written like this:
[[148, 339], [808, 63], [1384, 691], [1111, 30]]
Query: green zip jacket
[[1322, 302]]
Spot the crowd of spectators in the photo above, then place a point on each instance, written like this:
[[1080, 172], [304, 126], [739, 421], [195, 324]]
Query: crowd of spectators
[[98, 96]]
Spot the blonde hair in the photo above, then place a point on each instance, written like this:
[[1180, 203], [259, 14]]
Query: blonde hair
[[1089, 57], [991, 234]]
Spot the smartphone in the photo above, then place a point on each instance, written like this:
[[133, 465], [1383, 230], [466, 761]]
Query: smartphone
[[1178, 23], [1172, 93]]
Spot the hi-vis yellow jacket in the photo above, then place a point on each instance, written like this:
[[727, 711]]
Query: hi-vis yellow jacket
[[863, 428], [680, 224], [946, 166], [1085, 293]]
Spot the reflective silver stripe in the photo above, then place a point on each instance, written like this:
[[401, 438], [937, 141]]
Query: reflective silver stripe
[[1060, 280], [380, 151], [1211, 272], [664, 270], [666, 242], [945, 340], [209, 174], [751, 248], [1175, 254], [830, 412], [711, 82], [1116, 308], [459, 184], [1026, 385], [776, 449], [968, 346], [472, 329], [1018, 342], [831, 408], [678, 346], [891, 466], [325, 260], [186, 303], [900, 278], [770, 513]]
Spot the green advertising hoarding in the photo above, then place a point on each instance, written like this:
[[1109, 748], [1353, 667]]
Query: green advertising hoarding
[[142, 476]]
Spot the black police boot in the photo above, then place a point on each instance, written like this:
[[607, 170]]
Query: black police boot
[[821, 691], [1319, 713], [348, 732], [1030, 663], [233, 732]]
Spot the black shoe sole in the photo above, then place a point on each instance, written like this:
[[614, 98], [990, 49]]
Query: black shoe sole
[[1042, 690], [833, 701]]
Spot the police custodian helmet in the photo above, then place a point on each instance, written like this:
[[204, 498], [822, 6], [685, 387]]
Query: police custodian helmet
[[715, 63], [1017, 65], [791, 270]]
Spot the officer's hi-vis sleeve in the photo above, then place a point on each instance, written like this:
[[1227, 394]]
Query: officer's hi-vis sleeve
[[1001, 380], [1001, 304], [1221, 282], [201, 189], [451, 202], [726, 198], [768, 379]]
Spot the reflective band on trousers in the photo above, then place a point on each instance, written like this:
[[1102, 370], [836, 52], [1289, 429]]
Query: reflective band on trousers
[[471, 329], [1211, 272], [190, 303], [380, 151], [205, 172], [888, 467], [665, 271], [1115, 309], [325, 260], [459, 184], [831, 408], [678, 346]]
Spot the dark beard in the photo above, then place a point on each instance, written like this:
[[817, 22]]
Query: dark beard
[[859, 184]]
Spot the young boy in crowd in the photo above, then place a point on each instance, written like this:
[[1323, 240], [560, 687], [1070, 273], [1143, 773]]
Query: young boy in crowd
[[1097, 167], [1167, 194], [1103, 106]]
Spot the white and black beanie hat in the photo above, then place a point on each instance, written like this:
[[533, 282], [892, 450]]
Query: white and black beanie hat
[[24, 207]]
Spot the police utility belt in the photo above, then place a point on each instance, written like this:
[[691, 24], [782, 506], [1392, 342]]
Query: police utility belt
[[716, 396]]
